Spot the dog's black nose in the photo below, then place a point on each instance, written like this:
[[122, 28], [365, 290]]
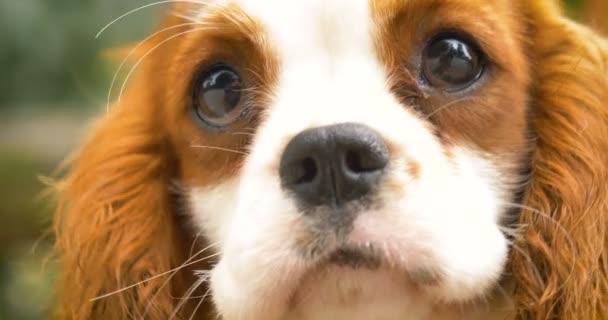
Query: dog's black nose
[[332, 165]]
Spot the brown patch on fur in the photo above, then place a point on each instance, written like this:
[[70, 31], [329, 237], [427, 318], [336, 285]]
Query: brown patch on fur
[[449, 153], [413, 168], [393, 187], [117, 222], [561, 267]]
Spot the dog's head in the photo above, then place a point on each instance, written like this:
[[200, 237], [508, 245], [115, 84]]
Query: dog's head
[[349, 160]]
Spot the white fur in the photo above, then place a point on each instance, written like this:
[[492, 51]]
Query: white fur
[[446, 219]]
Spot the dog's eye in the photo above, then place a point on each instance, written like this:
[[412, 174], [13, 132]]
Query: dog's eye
[[217, 96], [451, 63]]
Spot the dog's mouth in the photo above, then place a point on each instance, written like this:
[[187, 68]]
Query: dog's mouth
[[354, 258]]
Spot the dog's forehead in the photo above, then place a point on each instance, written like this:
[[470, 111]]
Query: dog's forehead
[[340, 26], [301, 28]]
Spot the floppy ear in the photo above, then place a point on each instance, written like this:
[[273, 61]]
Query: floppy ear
[[116, 224], [113, 224], [560, 266]]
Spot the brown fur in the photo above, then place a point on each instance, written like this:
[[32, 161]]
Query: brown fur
[[596, 13], [118, 223], [561, 267]]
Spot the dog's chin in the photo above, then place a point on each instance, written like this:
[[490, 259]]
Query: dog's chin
[[354, 285]]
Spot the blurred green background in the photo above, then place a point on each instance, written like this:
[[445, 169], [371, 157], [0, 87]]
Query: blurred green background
[[54, 80]]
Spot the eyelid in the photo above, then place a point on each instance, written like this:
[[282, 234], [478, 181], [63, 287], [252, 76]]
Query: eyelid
[[459, 35]]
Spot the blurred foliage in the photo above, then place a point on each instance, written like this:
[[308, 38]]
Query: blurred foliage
[[50, 52], [52, 70], [23, 222]]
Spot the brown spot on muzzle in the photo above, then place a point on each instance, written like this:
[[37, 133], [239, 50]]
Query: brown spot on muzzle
[[413, 169]]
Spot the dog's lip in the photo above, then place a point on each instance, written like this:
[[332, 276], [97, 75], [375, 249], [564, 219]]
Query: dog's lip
[[340, 256], [347, 257], [366, 255], [354, 257]]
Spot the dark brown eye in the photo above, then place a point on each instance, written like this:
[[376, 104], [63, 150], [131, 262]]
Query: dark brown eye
[[218, 96], [451, 63]]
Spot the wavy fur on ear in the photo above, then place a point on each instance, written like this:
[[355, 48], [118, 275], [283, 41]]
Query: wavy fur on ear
[[115, 224], [560, 265]]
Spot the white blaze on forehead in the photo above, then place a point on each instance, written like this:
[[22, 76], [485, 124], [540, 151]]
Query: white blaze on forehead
[[311, 29], [329, 69]]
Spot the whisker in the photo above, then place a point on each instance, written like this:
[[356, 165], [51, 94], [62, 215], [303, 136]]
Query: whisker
[[252, 89], [219, 149], [188, 298], [447, 105], [188, 293], [198, 234], [558, 227], [144, 7], [513, 232], [243, 22], [192, 256], [124, 61], [200, 303], [531, 265], [539, 213], [257, 74], [124, 84], [242, 134], [154, 277]]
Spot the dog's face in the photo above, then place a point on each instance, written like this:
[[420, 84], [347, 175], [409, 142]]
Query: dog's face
[[346, 159], [352, 159]]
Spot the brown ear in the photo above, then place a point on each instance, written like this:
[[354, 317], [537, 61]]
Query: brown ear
[[560, 266], [115, 223], [112, 226]]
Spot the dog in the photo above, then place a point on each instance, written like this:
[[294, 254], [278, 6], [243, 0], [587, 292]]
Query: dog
[[360, 159]]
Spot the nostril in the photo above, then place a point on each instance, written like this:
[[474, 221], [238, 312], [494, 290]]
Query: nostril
[[353, 161], [364, 161], [306, 172]]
